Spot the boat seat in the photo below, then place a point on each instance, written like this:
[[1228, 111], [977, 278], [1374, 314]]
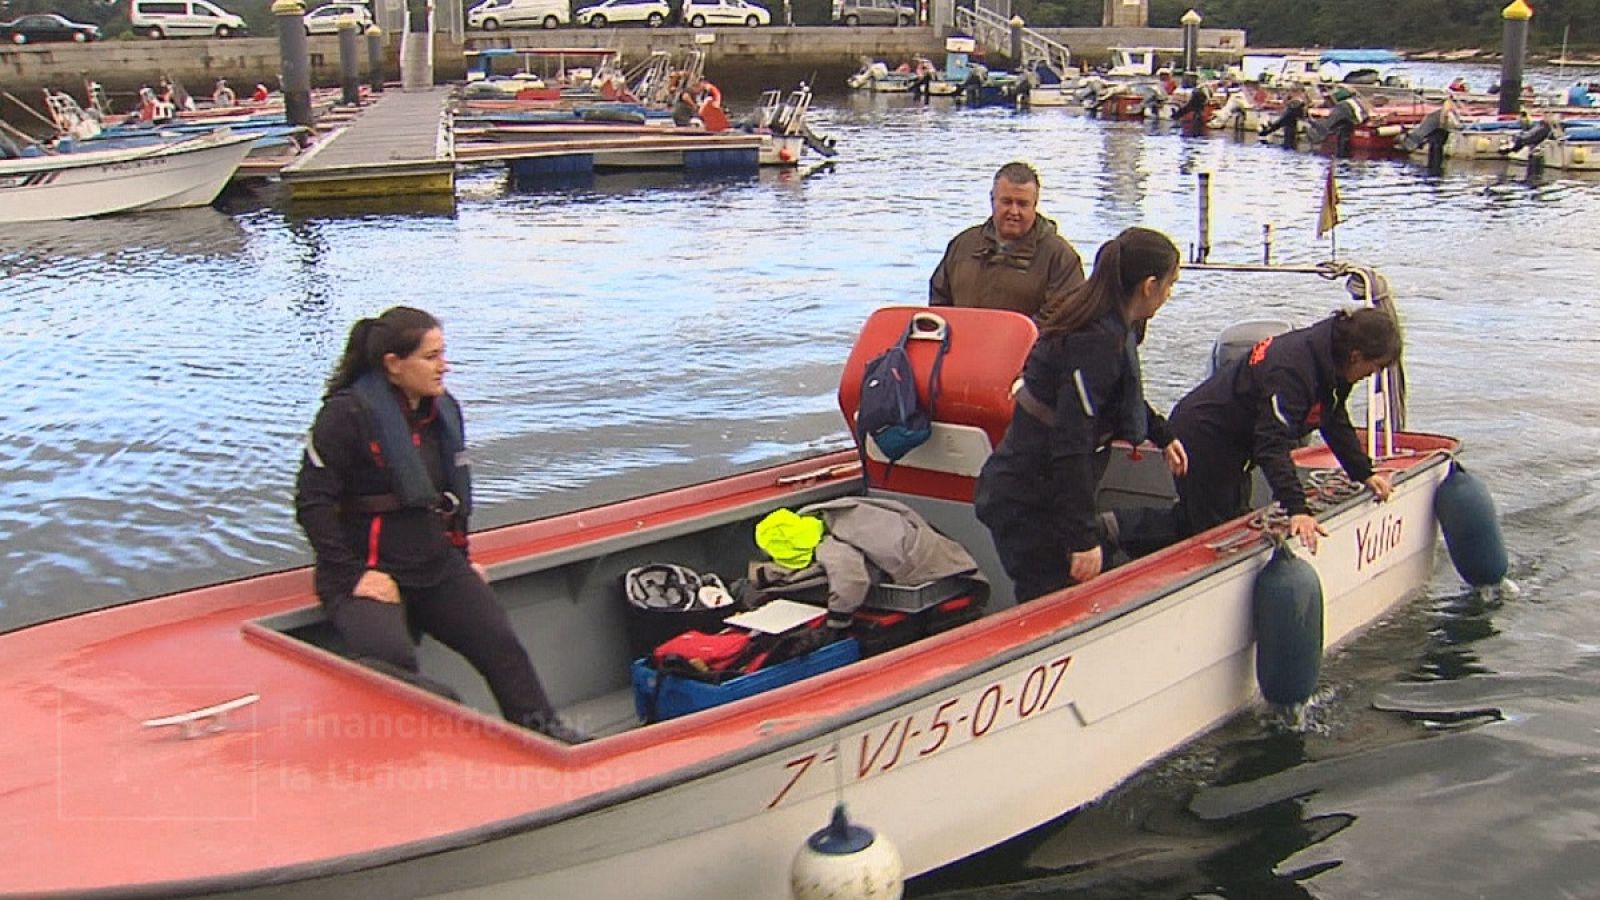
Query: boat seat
[[987, 350]]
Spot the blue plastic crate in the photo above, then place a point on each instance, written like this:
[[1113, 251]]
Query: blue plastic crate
[[680, 696]]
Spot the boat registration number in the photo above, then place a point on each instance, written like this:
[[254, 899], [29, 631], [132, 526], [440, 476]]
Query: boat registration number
[[930, 730]]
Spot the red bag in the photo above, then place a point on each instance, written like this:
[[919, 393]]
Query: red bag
[[708, 656]]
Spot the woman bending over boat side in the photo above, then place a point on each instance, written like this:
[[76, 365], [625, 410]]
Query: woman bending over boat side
[[1255, 410], [384, 494], [1081, 388]]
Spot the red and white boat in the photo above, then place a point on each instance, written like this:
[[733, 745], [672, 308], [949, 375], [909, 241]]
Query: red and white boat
[[301, 774]]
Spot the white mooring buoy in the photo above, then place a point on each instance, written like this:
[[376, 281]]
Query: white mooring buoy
[[845, 860]]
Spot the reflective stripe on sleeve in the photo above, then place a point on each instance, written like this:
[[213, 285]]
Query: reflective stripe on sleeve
[[1083, 392], [1277, 412], [311, 452]]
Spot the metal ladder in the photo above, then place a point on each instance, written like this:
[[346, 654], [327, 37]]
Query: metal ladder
[[991, 29]]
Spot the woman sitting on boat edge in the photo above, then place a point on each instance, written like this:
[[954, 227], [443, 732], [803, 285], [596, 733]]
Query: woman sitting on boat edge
[[384, 494], [1081, 388]]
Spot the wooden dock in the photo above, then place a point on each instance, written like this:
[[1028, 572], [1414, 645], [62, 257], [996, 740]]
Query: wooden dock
[[560, 151], [399, 144]]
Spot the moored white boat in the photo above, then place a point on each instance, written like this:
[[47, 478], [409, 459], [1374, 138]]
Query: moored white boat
[[100, 182], [328, 779], [785, 133]]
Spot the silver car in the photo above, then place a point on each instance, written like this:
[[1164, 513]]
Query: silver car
[[874, 12]]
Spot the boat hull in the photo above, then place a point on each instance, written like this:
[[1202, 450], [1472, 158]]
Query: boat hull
[[97, 183], [1026, 733], [333, 779]]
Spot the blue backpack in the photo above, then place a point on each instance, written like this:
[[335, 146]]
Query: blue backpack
[[890, 410]]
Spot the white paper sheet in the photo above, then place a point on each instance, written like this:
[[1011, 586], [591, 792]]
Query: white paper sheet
[[777, 616]]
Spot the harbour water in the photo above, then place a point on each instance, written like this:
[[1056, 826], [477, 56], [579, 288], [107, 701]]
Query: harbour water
[[635, 332]]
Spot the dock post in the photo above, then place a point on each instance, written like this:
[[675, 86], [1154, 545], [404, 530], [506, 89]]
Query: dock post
[[1513, 53], [295, 60], [1203, 249], [349, 62], [375, 58], [1016, 41], [1191, 48]]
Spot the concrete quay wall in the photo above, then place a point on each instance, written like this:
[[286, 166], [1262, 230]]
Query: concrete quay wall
[[735, 55]]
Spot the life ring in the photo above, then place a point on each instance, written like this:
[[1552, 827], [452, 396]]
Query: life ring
[[224, 96]]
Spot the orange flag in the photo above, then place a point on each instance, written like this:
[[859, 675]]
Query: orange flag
[[1329, 216]]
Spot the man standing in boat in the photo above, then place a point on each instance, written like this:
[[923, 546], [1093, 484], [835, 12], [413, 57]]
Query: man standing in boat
[[1014, 260]]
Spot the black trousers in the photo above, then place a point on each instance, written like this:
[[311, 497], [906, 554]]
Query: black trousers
[[462, 613], [1216, 488], [1017, 517]]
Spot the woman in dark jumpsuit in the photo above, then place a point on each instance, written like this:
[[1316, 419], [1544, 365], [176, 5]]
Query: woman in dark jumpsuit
[[383, 494], [1081, 388], [1254, 411]]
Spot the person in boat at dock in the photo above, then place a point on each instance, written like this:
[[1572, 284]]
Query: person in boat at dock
[[1014, 260], [1583, 95], [383, 495], [1254, 411], [1081, 388], [686, 105]]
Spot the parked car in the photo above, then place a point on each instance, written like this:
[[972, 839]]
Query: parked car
[[42, 27], [874, 12], [700, 13], [493, 14], [325, 19], [654, 13], [183, 18]]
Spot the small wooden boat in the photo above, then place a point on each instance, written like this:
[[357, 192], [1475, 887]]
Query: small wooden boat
[[100, 182], [217, 740]]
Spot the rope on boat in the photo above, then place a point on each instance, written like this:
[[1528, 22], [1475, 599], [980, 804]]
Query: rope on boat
[[1326, 488]]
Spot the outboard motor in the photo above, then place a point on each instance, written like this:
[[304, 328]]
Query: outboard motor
[[1433, 123], [1531, 138], [1347, 113], [1294, 112], [1236, 340], [1195, 106], [1433, 131], [823, 144]]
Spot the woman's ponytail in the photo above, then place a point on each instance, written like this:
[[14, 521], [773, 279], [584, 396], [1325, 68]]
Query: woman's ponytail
[[398, 330]]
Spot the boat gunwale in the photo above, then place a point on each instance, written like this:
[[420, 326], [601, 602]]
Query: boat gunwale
[[1080, 608]]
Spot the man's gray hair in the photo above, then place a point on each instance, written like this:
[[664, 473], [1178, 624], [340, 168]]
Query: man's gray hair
[[1017, 173]]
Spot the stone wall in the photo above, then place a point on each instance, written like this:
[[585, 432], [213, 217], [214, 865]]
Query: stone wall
[[734, 55]]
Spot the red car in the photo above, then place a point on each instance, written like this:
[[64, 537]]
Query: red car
[[42, 27]]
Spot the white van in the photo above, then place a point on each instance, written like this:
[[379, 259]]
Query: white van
[[183, 18], [493, 14]]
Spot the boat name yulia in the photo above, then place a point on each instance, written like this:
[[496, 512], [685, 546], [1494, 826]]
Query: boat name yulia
[[1372, 545], [933, 729]]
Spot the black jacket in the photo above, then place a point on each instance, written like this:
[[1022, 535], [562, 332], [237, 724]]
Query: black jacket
[[416, 546], [1259, 407], [1047, 472]]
